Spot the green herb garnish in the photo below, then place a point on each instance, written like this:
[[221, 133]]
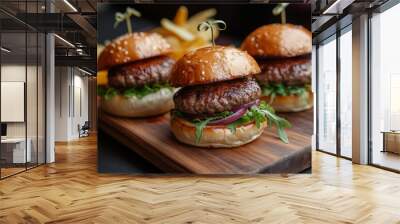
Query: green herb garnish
[[258, 114], [280, 9], [121, 17], [107, 93], [273, 90], [145, 90], [139, 92], [282, 90], [200, 124], [211, 25]]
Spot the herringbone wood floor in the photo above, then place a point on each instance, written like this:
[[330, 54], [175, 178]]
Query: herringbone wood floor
[[71, 191]]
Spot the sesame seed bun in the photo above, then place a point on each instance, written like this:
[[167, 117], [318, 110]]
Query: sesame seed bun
[[132, 47], [212, 64], [278, 40], [215, 136], [153, 104]]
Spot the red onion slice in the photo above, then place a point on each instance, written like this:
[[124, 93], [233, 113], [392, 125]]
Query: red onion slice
[[248, 105], [238, 113], [231, 118]]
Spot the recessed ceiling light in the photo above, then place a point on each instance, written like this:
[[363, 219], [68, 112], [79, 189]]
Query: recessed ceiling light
[[5, 50], [84, 71], [70, 5], [338, 6], [64, 40]]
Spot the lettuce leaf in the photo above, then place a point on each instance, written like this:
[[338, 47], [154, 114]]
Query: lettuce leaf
[[107, 93], [139, 92], [145, 90], [273, 90], [258, 114], [282, 90], [200, 124], [261, 113]]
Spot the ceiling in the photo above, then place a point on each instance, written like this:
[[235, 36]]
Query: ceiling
[[73, 20], [328, 16]]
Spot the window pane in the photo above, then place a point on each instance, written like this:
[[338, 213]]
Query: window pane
[[14, 153], [386, 88], [346, 93], [327, 97]]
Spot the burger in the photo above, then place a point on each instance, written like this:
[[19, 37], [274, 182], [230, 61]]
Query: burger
[[138, 76], [218, 105], [283, 52]]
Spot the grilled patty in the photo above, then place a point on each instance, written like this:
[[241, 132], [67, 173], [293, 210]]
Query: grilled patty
[[142, 72], [290, 71], [217, 97]]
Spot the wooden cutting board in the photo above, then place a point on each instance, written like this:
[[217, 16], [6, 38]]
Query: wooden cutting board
[[152, 139]]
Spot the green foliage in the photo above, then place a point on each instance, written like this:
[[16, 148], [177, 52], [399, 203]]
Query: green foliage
[[139, 92], [258, 114], [145, 90], [273, 90], [200, 124], [107, 93]]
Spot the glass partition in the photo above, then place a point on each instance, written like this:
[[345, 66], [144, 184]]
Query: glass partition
[[14, 145], [327, 96], [22, 88], [346, 93], [385, 89], [32, 98]]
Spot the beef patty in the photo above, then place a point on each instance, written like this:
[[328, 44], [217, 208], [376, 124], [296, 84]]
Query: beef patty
[[142, 72], [288, 71], [216, 97]]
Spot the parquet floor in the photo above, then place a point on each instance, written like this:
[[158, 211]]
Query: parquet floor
[[71, 191]]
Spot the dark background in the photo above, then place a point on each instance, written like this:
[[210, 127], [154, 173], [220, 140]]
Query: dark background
[[241, 19]]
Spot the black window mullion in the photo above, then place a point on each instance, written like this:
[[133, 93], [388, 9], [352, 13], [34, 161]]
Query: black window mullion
[[338, 93], [26, 88], [0, 98], [317, 96], [37, 90]]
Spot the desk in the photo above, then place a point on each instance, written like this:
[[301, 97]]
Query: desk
[[13, 150], [391, 141]]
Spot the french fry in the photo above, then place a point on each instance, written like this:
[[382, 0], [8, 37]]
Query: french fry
[[198, 42], [181, 16], [99, 49], [177, 30], [162, 31], [182, 33], [102, 78], [174, 42]]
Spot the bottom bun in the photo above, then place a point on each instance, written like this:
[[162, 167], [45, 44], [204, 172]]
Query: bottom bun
[[292, 103], [153, 104], [215, 136]]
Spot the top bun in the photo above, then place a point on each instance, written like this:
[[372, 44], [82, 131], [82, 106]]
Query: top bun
[[212, 64], [132, 47], [278, 40]]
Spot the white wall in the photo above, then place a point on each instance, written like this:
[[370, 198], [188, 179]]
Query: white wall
[[33, 127], [12, 73], [70, 83]]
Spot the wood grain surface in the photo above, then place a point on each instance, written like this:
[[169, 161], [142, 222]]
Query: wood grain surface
[[152, 139]]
